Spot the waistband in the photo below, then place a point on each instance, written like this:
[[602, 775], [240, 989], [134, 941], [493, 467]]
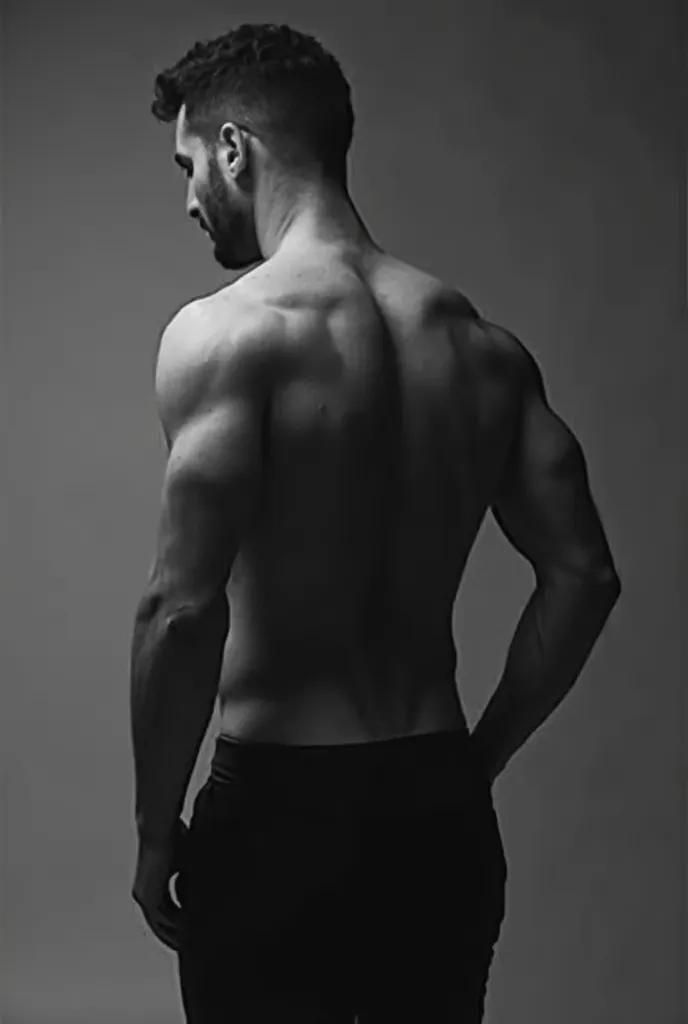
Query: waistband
[[426, 768]]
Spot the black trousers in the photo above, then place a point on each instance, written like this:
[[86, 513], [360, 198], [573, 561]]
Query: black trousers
[[367, 878]]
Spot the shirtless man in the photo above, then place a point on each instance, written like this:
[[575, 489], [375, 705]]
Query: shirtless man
[[338, 425]]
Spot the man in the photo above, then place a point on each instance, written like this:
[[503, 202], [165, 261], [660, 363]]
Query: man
[[338, 424]]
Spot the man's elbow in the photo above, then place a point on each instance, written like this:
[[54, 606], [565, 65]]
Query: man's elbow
[[599, 578], [606, 580]]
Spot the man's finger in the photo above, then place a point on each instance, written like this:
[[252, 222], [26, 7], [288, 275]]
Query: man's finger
[[167, 927]]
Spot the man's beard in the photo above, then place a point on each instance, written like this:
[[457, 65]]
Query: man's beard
[[215, 217], [224, 225]]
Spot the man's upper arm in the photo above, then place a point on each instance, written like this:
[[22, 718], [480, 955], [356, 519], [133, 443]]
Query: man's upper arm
[[211, 394], [544, 505]]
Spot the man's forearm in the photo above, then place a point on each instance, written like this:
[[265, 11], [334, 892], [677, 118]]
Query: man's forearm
[[175, 671], [552, 642]]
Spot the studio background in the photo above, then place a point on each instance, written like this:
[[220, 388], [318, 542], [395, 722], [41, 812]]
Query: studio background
[[530, 154]]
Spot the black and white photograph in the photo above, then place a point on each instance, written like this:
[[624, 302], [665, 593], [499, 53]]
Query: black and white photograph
[[345, 514]]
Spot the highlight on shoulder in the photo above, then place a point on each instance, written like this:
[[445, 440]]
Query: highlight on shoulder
[[207, 350], [210, 329]]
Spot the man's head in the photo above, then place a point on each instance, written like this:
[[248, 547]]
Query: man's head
[[260, 103]]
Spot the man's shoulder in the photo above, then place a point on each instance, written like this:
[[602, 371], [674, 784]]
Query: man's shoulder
[[446, 300], [213, 345], [499, 348], [219, 323], [218, 330]]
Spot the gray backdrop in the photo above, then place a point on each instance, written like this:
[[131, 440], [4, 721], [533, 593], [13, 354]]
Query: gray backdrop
[[529, 153]]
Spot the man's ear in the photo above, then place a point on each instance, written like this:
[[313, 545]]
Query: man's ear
[[233, 148]]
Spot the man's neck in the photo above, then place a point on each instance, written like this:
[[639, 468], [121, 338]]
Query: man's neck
[[304, 212]]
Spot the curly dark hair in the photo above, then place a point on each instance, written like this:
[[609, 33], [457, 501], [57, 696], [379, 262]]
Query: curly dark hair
[[279, 83]]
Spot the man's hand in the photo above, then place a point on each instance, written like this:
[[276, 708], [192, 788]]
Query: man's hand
[[155, 866]]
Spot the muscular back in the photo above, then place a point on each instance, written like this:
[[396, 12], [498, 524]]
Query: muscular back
[[391, 408]]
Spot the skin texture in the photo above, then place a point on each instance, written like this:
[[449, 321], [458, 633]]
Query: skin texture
[[338, 424]]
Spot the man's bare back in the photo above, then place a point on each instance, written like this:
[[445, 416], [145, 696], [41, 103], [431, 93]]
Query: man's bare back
[[391, 409], [338, 425]]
